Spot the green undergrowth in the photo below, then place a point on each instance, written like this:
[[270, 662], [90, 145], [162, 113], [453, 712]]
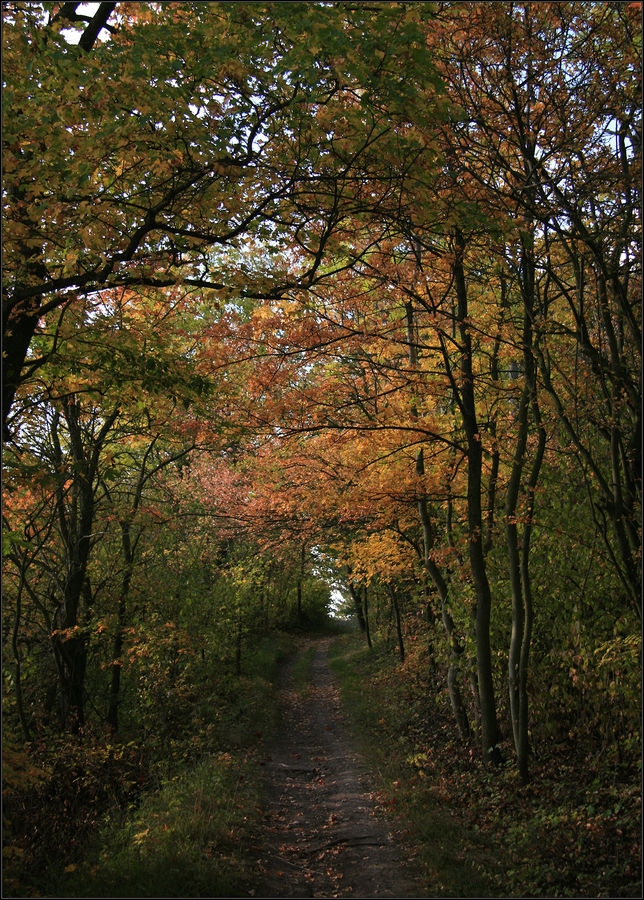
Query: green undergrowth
[[186, 833], [573, 831], [181, 833]]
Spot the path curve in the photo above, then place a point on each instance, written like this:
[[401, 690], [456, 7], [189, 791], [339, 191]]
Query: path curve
[[322, 835]]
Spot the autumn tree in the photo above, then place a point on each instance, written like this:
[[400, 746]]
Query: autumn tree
[[189, 130], [97, 436], [557, 145], [547, 137]]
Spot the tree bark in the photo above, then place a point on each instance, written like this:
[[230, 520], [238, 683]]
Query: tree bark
[[396, 611], [489, 723], [117, 648], [357, 604], [75, 522]]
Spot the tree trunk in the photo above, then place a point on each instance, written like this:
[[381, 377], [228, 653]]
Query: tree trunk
[[455, 651], [519, 546], [299, 600], [18, 664], [516, 585], [357, 604], [396, 611], [115, 680], [524, 747], [366, 618], [117, 648], [17, 334], [489, 724], [75, 522]]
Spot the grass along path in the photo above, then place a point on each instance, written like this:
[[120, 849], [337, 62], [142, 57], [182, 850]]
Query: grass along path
[[187, 834]]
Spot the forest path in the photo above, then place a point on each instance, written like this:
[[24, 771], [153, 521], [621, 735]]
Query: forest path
[[322, 836]]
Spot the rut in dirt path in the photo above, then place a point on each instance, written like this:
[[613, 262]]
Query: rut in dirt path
[[322, 836]]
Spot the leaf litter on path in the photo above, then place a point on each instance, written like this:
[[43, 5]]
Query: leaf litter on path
[[322, 835]]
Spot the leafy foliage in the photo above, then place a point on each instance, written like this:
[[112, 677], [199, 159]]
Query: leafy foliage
[[313, 300]]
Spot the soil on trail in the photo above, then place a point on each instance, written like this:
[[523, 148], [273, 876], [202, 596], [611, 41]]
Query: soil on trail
[[322, 836]]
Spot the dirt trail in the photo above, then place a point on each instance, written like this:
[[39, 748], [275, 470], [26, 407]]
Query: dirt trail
[[322, 836]]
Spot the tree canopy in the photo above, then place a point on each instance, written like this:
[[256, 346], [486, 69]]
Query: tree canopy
[[313, 297]]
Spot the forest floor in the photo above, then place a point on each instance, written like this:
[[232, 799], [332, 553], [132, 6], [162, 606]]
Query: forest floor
[[358, 788], [322, 834]]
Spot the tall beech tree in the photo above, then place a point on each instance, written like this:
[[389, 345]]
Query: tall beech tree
[[190, 128]]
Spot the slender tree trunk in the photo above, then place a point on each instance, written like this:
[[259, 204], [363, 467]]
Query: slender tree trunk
[[299, 600], [492, 427], [115, 679], [518, 546], [128, 549], [524, 747], [489, 723], [516, 585], [18, 665], [117, 648], [455, 651], [357, 604], [366, 617], [238, 643], [396, 611]]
